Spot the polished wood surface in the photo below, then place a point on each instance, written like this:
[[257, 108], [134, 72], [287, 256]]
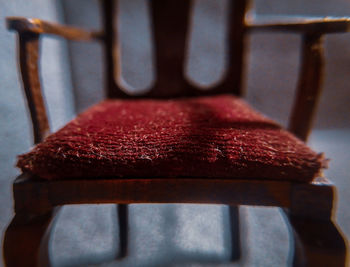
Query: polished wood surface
[[308, 207]]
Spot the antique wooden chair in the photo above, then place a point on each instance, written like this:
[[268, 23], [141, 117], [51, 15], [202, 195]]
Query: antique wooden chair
[[308, 204]]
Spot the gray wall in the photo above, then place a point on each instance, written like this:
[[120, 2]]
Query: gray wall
[[15, 128]]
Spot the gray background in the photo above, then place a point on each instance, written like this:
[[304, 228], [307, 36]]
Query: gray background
[[176, 235]]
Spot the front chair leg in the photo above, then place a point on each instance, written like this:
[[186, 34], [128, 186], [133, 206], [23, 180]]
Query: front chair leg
[[123, 229], [26, 239], [317, 243], [235, 234], [317, 240]]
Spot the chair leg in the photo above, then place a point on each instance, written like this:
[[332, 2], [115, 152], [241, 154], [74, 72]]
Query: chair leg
[[317, 240], [123, 229], [26, 239], [317, 243], [235, 234]]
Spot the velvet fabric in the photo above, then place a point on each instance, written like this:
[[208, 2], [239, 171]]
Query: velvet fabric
[[204, 137]]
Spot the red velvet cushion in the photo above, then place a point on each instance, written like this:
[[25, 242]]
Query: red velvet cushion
[[217, 136]]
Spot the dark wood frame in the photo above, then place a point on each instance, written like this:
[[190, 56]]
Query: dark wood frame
[[308, 207]]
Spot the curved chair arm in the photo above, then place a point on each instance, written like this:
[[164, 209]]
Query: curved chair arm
[[312, 61], [38, 26], [29, 31]]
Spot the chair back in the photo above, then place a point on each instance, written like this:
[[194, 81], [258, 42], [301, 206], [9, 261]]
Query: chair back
[[170, 20]]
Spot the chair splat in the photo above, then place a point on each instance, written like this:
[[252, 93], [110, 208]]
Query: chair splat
[[170, 20], [236, 42], [170, 25]]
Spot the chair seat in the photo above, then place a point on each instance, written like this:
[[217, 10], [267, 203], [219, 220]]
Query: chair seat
[[219, 136]]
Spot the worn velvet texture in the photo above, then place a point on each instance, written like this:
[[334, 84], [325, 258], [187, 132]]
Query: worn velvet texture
[[204, 137]]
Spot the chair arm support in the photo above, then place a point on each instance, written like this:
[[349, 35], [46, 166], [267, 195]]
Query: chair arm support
[[29, 59], [309, 86], [29, 33], [38, 26], [305, 25], [311, 75]]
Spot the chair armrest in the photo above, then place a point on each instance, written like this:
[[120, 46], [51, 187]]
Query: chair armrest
[[306, 25], [29, 31], [38, 26], [311, 75]]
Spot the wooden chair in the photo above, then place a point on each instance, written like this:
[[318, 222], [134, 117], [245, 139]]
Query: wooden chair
[[308, 206]]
